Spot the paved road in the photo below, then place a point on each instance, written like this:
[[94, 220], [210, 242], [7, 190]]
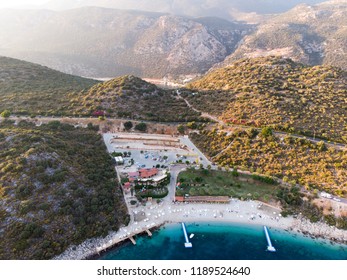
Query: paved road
[[174, 171], [84, 121], [202, 158]]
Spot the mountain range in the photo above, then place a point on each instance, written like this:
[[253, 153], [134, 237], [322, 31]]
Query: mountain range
[[106, 42], [100, 42], [308, 34]]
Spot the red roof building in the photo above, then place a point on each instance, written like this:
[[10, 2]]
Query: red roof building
[[148, 173], [127, 185]]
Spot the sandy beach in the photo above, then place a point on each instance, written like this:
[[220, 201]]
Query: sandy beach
[[154, 215]]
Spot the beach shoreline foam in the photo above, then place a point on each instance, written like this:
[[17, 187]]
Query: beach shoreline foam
[[236, 212]]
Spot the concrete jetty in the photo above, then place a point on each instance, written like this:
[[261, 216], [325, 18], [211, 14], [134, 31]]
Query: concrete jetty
[[187, 244], [270, 248], [132, 240]]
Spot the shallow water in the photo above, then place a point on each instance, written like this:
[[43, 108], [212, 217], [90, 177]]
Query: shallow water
[[224, 241]]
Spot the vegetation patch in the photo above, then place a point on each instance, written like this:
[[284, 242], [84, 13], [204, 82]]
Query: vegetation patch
[[58, 187], [294, 160], [31, 89], [223, 183], [278, 93], [131, 97]]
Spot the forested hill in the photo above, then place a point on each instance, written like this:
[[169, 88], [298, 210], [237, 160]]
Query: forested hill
[[28, 88], [58, 187], [277, 92], [131, 97]]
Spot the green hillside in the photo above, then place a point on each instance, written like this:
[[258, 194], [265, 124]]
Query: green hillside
[[296, 161], [27, 88], [58, 187], [131, 97], [279, 93]]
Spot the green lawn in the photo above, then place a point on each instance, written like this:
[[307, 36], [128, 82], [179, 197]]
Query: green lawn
[[222, 183]]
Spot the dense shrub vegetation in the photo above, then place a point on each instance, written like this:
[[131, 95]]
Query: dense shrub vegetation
[[31, 89], [292, 159], [279, 93], [131, 97], [57, 187]]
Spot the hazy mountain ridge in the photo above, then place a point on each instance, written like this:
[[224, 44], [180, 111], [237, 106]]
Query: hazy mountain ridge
[[308, 34], [227, 9], [99, 42]]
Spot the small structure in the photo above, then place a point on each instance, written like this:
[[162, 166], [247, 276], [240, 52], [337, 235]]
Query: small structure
[[203, 199], [326, 195], [270, 248], [133, 174], [179, 198], [126, 186], [187, 244], [119, 160]]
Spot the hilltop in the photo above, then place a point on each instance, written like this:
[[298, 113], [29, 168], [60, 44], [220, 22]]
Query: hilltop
[[58, 187], [131, 97], [276, 92], [32, 89], [28, 88]]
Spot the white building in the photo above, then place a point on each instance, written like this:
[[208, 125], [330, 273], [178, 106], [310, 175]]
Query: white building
[[119, 160]]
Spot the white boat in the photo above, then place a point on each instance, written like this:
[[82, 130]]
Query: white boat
[[191, 236]]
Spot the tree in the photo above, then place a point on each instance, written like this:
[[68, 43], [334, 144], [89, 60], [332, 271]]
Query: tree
[[235, 173], [192, 125], [141, 127], [5, 114], [128, 125], [266, 131], [180, 129]]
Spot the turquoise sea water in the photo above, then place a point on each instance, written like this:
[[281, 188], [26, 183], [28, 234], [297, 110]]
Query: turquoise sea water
[[224, 241]]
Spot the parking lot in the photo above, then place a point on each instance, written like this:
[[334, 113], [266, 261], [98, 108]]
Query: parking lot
[[150, 150]]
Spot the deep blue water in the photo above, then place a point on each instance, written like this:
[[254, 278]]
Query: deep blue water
[[224, 241]]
